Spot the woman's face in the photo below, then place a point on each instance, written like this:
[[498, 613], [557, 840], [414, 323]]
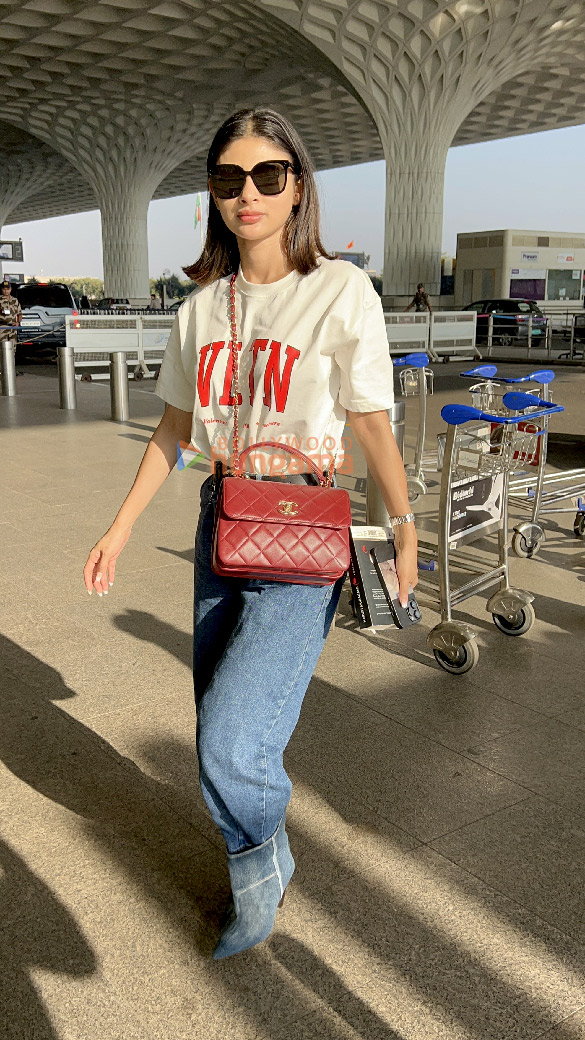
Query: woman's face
[[251, 216]]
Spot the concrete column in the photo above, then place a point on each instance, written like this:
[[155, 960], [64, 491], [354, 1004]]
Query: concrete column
[[415, 172], [124, 211]]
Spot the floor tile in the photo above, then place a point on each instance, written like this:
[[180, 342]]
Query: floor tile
[[534, 853], [431, 952], [417, 784], [547, 759]]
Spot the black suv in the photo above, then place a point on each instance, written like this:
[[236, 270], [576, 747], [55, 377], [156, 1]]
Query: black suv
[[44, 309], [510, 320]]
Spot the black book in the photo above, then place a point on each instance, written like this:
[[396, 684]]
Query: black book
[[371, 606]]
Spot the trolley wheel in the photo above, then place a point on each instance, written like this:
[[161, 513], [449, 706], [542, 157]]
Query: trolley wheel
[[521, 546], [579, 525], [505, 341], [519, 624], [466, 658]]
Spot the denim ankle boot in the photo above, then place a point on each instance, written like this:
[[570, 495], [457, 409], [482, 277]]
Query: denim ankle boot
[[259, 877]]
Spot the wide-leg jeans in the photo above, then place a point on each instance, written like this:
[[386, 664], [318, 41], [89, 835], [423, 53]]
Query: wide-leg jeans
[[255, 647]]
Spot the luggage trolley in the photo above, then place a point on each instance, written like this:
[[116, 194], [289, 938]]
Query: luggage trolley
[[481, 450], [416, 381], [541, 492]]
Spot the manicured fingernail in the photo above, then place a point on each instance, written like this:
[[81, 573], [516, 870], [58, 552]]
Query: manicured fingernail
[[89, 592], [105, 592], [110, 583], [99, 594], [98, 576]]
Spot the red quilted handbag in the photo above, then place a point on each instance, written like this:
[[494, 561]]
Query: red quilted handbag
[[297, 533]]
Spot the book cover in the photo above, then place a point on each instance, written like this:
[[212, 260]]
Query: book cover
[[371, 605]]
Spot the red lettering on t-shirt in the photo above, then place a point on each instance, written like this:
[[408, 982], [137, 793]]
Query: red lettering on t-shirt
[[204, 373], [258, 344], [272, 375], [227, 396]]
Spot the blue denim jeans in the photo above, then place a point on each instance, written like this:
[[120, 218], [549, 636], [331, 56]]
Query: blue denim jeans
[[255, 647]]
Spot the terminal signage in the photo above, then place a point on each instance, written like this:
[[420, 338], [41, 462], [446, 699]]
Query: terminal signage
[[565, 258], [529, 258], [12, 251], [527, 272]]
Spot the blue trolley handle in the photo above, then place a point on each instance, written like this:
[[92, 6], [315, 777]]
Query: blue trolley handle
[[542, 375], [484, 371], [416, 360], [457, 414]]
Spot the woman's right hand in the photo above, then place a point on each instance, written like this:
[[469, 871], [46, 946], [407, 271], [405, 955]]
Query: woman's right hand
[[101, 562]]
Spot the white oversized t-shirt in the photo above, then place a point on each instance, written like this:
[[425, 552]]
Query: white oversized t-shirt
[[311, 347]]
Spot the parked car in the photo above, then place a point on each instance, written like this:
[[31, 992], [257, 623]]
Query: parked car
[[111, 303], [44, 309], [511, 320]]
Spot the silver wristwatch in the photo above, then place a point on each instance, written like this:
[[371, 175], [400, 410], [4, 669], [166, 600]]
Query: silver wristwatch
[[407, 518]]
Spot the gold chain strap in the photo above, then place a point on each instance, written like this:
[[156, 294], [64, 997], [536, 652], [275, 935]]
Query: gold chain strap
[[235, 390]]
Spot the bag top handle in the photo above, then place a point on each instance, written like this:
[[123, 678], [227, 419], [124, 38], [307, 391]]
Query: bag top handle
[[324, 481]]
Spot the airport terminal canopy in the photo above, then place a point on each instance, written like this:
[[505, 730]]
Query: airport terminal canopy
[[113, 103]]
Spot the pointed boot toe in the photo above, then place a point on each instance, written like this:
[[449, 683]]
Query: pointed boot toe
[[259, 877]]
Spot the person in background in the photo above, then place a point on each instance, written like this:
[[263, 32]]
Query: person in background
[[420, 301], [153, 303], [10, 313], [84, 304]]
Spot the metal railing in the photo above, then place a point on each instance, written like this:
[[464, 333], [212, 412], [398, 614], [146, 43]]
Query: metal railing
[[442, 334], [115, 342]]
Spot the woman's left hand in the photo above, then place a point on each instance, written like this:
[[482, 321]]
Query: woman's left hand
[[406, 544]]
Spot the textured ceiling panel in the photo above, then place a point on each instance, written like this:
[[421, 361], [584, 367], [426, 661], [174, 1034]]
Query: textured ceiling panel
[[123, 89], [542, 100]]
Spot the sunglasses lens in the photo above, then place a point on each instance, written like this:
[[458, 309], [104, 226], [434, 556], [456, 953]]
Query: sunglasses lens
[[269, 178], [227, 181]]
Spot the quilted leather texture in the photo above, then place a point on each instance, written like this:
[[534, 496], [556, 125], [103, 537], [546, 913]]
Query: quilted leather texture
[[277, 547], [259, 500]]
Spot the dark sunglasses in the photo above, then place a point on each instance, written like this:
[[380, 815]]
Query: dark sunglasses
[[227, 179]]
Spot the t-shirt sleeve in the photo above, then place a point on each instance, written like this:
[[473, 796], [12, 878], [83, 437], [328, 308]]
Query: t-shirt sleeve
[[176, 381], [367, 383]]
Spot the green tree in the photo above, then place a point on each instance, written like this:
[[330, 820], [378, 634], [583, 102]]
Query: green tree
[[173, 285], [377, 283]]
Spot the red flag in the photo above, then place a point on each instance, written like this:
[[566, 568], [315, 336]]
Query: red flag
[[349, 245]]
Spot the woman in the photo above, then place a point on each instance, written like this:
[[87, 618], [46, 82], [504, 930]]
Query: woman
[[313, 353]]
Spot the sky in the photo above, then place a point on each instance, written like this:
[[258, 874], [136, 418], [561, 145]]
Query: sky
[[530, 182]]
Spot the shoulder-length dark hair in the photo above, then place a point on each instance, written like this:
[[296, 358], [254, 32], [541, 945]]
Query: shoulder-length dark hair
[[301, 235]]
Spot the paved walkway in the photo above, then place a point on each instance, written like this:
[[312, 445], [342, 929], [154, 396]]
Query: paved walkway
[[438, 822]]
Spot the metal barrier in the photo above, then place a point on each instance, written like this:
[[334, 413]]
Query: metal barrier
[[452, 333], [8, 367], [577, 336], [66, 369], [119, 387], [141, 337], [510, 339], [407, 332], [442, 334], [116, 342]]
